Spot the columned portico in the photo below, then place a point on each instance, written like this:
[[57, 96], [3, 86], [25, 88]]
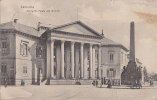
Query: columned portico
[[77, 65], [72, 55]]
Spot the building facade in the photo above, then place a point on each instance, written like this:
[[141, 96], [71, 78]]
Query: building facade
[[68, 53], [114, 58]]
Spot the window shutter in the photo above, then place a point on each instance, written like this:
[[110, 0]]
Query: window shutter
[[21, 49]]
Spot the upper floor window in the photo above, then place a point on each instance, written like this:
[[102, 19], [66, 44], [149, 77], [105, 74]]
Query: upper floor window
[[24, 48], [111, 56], [40, 51], [25, 69], [4, 47], [3, 68]]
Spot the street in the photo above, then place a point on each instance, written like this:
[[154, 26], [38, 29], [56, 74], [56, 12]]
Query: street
[[77, 92]]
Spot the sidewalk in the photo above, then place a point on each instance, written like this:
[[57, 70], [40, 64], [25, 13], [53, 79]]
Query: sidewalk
[[12, 92]]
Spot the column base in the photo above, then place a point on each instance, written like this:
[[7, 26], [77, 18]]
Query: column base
[[63, 78], [53, 78]]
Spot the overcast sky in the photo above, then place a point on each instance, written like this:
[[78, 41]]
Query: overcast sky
[[113, 16]]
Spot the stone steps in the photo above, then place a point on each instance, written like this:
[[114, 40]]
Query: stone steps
[[71, 82]]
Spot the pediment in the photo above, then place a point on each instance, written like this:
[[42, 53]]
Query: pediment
[[77, 28]]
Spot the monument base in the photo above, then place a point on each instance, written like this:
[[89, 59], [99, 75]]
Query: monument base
[[130, 74]]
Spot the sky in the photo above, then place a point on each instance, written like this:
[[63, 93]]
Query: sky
[[113, 16]]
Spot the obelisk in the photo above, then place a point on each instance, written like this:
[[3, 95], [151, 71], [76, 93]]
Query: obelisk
[[129, 74], [132, 42]]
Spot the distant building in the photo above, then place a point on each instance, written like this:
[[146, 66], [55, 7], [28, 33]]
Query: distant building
[[64, 54]]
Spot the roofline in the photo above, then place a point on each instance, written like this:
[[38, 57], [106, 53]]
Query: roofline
[[23, 33], [115, 45]]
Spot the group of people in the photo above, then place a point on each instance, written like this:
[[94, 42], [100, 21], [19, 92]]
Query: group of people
[[96, 83]]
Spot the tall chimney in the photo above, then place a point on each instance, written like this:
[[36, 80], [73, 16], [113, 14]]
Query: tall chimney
[[132, 42]]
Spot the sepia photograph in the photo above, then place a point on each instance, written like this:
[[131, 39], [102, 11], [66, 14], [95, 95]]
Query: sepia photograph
[[78, 49]]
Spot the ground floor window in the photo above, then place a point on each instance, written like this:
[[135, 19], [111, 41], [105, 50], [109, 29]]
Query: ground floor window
[[111, 73], [3, 68]]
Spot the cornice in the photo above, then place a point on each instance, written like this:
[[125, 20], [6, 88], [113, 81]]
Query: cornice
[[18, 32]]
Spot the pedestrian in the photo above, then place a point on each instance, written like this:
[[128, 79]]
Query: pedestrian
[[109, 84], [6, 82], [96, 83]]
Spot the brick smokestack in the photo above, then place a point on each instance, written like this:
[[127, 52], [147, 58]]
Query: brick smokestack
[[132, 42]]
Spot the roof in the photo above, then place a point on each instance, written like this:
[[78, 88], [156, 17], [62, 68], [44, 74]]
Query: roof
[[19, 27], [79, 23], [109, 43]]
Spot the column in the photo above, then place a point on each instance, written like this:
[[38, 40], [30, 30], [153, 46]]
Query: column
[[72, 59], [99, 61], [85, 72], [93, 60], [90, 61], [52, 58], [77, 61], [58, 60], [62, 59], [48, 63], [81, 55]]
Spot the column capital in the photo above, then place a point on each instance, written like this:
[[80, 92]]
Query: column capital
[[91, 44], [52, 40], [99, 45], [62, 41], [82, 43], [72, 42]]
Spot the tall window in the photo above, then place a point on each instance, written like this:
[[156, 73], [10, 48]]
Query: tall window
[[24, 48], [111, 56], [4, 47], [25, 69], [40, 52], [3, 68]]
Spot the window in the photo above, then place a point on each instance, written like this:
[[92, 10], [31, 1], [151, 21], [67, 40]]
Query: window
[[24, 48], [4, 47], [111, 73], [25, 69], [40, 52], [3, 68], [111, 57]]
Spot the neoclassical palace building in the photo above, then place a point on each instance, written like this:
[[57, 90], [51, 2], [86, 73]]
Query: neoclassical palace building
[[65, 54]]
